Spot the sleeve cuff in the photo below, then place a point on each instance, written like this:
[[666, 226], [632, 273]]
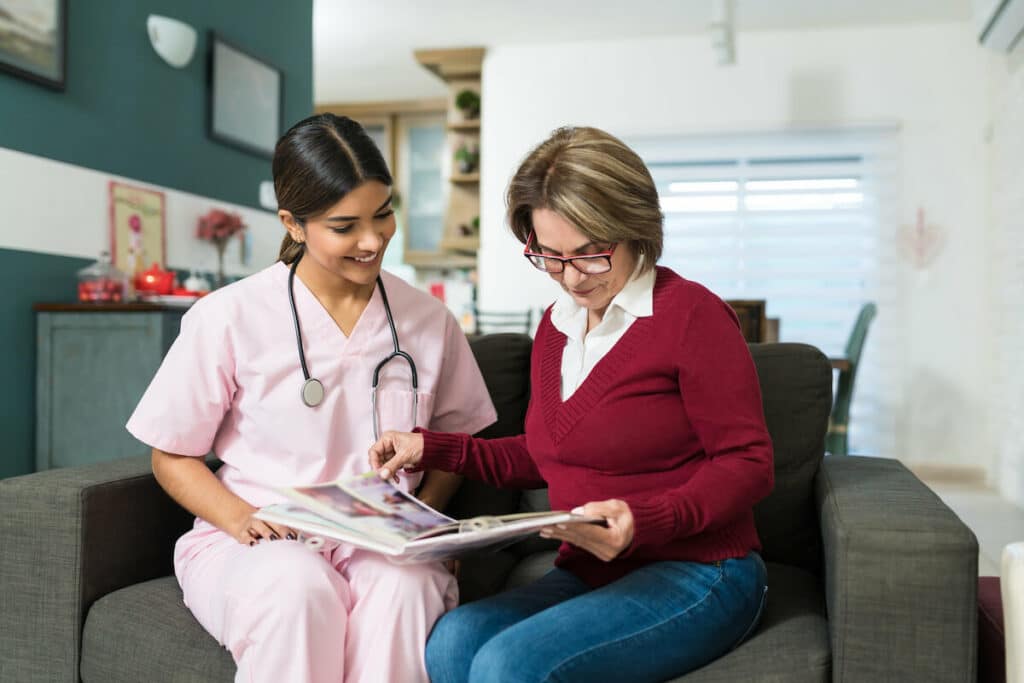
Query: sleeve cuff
[[442, 450], [654, 524]]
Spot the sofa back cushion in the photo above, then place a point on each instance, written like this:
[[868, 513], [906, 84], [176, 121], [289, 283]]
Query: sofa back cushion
[[504, 360], [796, 389]]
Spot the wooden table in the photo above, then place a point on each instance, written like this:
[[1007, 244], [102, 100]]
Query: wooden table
[[840, 364]]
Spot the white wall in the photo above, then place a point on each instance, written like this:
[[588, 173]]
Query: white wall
[[1008, 275], [73, 220], [930, 80]]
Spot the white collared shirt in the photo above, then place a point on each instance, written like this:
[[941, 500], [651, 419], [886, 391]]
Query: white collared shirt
[[583, 350]]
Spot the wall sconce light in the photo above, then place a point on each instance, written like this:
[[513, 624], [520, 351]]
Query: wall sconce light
[[173, 40]]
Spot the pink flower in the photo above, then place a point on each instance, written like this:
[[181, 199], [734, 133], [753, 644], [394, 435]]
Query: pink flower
[[219, 226], [135, 223]]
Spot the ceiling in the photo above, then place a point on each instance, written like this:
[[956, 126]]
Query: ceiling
[[362, 49]]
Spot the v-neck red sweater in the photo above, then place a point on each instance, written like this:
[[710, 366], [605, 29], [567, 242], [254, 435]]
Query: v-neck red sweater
[[669, 420]]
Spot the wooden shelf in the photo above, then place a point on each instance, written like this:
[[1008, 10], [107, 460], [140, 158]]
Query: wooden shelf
[[440, 260], [463, 62], [465, 126], [459, 68], [466, 244]]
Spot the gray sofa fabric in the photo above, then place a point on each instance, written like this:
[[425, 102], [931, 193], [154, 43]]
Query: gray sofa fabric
[[68, 537], [871, 577], [796, 393], [145, 633], [901, 575]]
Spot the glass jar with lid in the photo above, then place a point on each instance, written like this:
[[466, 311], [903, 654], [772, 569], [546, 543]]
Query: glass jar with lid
[[101, 282]]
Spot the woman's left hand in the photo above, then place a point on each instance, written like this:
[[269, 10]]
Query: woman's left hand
[[605, 543]]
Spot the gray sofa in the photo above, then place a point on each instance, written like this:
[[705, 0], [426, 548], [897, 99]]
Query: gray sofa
[[871, 577]]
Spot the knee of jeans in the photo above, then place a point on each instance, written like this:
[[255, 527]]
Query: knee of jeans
[[451, 646], [449, 633], [496, 661]]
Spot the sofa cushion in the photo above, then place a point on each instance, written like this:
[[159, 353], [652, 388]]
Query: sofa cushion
[[504, 360], [791, 642], [796, 389], [531, 568], [145, 633]]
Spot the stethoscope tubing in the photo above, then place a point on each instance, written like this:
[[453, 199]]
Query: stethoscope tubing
[[397, 352]]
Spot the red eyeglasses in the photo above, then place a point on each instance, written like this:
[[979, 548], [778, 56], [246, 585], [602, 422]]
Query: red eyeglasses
[[589, 264]]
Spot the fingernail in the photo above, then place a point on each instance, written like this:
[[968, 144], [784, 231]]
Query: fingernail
[[274, 537], [577, 510], [384, 473], [560, 526], [251, 543], [545, 534], [290, 537]]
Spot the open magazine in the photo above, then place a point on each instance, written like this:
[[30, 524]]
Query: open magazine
[[372, 513]]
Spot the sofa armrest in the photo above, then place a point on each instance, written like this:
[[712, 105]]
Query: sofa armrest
[[68, 537], [900, 572]]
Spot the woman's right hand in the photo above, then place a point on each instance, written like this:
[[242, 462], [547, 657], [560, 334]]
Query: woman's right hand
[[395, 451], [250, 531]]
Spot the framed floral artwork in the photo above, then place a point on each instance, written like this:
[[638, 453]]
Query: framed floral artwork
[[137, 233], [33, 40]]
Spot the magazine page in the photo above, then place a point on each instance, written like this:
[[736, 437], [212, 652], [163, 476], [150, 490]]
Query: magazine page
[[392, 518], [382, 522], [384, 496], [373, 513], [490, 533], [312, 526]]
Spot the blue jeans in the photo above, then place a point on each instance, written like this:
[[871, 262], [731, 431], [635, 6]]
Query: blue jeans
[[655, 623]]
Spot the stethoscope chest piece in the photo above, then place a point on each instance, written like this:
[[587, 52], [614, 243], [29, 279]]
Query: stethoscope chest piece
[[312, 392]]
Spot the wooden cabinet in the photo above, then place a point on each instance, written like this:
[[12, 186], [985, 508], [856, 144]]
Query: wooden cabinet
[[93, 365]]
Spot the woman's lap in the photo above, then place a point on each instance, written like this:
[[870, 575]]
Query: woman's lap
[[657, 622]]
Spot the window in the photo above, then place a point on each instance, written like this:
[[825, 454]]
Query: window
[[805, 221]]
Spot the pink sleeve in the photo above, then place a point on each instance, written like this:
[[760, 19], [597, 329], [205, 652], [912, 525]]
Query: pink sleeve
[[182, 409], [461, 400]]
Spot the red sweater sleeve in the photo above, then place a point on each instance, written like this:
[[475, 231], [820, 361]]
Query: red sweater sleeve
[[722, 399], [501, 462]]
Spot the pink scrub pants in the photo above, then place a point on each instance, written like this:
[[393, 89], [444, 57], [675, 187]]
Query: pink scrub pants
[[334, 615]]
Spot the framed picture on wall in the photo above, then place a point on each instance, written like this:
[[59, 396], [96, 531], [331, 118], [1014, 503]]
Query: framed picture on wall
[[33, 40], [245, 99], [137, 235]]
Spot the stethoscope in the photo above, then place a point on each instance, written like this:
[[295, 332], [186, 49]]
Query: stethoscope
[[313, 389]]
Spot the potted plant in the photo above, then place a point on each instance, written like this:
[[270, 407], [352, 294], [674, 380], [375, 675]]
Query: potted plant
[[468, 102], [467, 156]]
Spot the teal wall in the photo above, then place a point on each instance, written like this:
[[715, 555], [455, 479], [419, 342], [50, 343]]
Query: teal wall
[[126, 112], [28, 277]]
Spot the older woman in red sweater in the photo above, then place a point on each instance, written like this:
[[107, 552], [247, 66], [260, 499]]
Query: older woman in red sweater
[[646, 411]]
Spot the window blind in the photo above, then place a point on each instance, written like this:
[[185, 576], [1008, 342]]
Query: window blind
[[806, 221]]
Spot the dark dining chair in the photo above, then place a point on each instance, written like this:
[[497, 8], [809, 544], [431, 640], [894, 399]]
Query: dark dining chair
[[490, 322], [835, 440], [753, 323]]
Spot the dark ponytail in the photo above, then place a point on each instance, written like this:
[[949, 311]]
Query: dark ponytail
[[316, 163]]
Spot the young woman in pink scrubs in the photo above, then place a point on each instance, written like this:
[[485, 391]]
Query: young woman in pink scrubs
[[233, 383]]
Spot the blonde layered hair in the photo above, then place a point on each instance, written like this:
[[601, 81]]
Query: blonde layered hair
[[596, 183]]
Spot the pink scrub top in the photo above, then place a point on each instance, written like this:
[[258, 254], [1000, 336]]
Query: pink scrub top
[[231, 383]]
